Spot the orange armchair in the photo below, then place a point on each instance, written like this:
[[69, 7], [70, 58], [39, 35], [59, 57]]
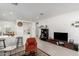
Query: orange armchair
[[31, 46]]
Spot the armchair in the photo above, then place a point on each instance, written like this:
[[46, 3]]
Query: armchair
[[31, 46]]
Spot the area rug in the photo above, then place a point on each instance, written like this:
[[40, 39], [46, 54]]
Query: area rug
[[20, 52], [39, 53]]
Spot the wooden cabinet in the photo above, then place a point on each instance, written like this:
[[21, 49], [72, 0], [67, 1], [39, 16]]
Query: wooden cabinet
[[65, 44], [69, 45], [44, 34], [52, 41]]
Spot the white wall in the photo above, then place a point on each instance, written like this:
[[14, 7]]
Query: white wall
[[62, 23]]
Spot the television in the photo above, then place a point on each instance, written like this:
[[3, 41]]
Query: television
[[61, 36]]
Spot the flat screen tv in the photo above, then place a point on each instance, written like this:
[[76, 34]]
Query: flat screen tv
[[61, 36]]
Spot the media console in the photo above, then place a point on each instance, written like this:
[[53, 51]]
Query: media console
[[63, 44]]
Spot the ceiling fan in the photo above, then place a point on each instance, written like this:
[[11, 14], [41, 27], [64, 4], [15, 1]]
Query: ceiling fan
[[14, 4]]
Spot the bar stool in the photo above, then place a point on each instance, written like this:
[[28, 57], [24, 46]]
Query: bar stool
[[19, 41], [3, 40]]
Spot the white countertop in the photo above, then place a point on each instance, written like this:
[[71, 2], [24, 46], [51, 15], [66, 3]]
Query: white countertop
[[3, 36], [55, 50]]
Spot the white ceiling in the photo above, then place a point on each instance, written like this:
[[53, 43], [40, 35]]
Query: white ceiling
[[31, 11]]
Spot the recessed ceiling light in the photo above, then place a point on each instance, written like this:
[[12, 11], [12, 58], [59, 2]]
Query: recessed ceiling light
[[3, 14], [11, 12]]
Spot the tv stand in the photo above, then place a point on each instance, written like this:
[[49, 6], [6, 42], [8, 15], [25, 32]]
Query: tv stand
[[64, 44]]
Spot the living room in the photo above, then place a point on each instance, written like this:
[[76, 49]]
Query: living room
[[26, 20]]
